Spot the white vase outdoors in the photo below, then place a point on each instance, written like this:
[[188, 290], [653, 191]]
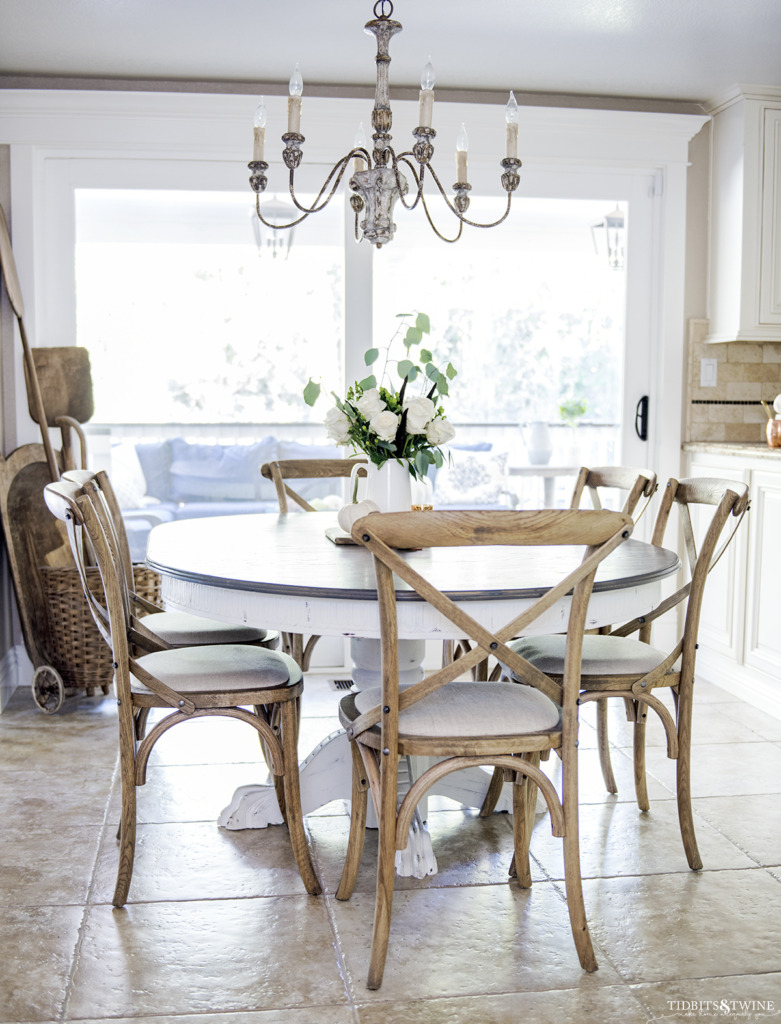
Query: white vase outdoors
[[389, 485], [539, 446]]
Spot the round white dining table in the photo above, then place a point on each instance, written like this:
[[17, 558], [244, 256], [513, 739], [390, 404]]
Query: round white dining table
[[285, 572]]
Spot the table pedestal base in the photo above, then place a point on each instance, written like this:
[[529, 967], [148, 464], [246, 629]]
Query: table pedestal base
[[326, 773]]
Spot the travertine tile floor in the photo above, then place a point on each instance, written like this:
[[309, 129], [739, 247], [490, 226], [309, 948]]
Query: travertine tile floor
[[218, 929]]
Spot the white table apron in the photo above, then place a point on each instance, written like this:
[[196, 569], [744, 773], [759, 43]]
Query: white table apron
[[243, 569]]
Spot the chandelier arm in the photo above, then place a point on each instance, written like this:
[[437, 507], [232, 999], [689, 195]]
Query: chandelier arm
[[433, 226], [339, 166], [461, 217], [494, 223], [276, 227], [404, 158]]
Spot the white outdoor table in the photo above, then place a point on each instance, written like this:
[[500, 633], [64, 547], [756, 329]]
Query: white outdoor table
[[549, 476], [282, 572]]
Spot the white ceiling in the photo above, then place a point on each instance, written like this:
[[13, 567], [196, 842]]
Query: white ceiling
[[690, 50]]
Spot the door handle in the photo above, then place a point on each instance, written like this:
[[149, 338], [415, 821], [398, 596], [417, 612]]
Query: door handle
[[641, 418]]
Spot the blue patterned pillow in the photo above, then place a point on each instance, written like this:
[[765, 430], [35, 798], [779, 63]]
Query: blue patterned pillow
[[474, 478]]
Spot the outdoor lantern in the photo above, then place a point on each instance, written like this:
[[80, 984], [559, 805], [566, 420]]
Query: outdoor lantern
[[270, 240], [613, 228]]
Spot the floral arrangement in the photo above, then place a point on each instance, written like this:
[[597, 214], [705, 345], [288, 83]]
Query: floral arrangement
[[384, 422]]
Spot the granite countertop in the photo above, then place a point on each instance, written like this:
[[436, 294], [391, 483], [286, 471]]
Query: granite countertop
[[750, 449]]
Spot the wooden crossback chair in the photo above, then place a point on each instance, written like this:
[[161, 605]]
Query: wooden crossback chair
[[471, 723], [630, 486], [192, 682], [636, 483], [153, 628], [618, 665], [167, 629], [280, 472], [627, 485]]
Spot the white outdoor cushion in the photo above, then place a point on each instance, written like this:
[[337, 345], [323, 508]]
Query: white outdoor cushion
[[220, 669], [602, 655], [182, 629], [473, 710]]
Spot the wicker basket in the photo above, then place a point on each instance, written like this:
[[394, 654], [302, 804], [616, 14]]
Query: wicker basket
[[74, 647]]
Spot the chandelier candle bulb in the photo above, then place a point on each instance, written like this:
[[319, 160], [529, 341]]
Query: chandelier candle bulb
[[511, 117], [359, 142], [294, 101], [462, 145], [259, 132], [426, 111]]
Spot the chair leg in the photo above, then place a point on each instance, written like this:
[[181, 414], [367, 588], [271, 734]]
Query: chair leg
[[271, 715], [127, 844], [480, 671], [141, 715], [295, 816], [448, 652], [577, 909], [641, 789], [355, 841], [572, 878], [683, 778], [604, 747], [307, 652], [386, 869], [492, 794], [524, 806], [293, 645]]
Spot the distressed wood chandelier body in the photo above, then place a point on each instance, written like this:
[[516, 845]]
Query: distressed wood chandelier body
[[377, 181]]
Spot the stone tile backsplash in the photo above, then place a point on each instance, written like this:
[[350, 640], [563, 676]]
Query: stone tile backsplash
[[746, 373]]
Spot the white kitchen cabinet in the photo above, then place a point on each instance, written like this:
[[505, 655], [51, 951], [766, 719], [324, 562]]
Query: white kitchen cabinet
[[763, 595], [740, 629], [744, 287]]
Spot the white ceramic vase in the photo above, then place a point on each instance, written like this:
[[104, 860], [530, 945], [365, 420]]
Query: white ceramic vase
[[388, 485], [539, 445]]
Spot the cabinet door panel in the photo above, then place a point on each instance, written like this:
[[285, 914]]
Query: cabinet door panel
[[770, 277], [763, 622], [723, 606]]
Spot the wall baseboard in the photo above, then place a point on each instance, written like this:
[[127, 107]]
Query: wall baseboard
[[754, 688]]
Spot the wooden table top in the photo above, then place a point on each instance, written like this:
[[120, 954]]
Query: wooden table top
[[291, 555]]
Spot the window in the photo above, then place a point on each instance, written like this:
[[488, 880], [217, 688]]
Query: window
[[186, 322], [530, 313]]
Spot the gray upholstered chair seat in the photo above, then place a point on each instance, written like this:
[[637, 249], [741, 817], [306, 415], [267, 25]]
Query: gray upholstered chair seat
[[180, 629], [467, 709], [219, 669], [602, 655]]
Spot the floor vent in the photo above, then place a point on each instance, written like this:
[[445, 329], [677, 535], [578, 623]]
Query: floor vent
[[340, 684]]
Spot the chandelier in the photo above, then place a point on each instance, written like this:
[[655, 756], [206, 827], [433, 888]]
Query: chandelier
[[377, 181]]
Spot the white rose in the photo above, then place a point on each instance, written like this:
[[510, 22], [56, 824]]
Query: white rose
[[440, 431], [370, 403], [385, 424], [420, 411], [337, 425]]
